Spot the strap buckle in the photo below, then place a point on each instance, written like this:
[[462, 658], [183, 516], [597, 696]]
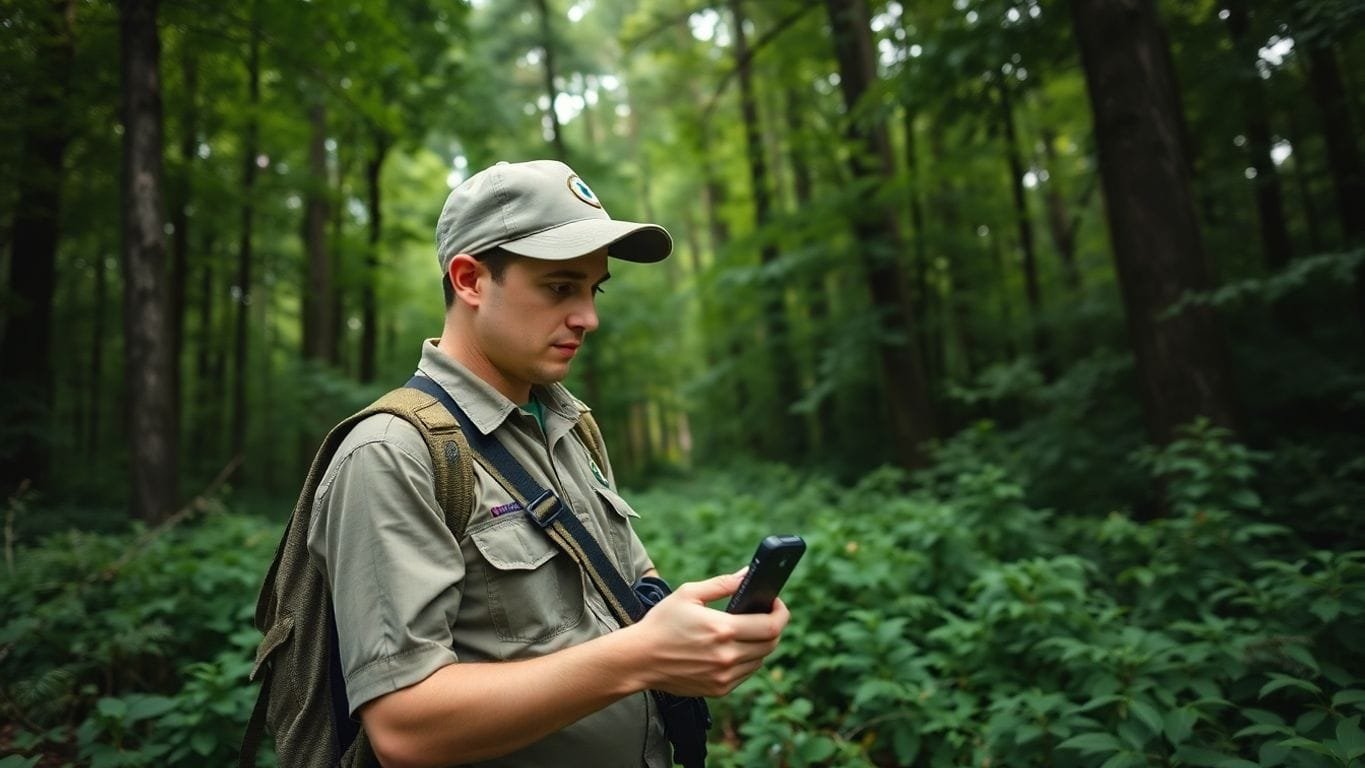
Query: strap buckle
[[546, 509]]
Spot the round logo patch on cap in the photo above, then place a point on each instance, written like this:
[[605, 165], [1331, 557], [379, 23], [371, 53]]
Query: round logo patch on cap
[[583, 192]]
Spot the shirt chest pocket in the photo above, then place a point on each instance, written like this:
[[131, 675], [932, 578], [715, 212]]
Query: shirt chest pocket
[[529, 590], [618, 527]]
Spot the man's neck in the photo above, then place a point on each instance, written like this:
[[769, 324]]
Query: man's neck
[[477, 363]]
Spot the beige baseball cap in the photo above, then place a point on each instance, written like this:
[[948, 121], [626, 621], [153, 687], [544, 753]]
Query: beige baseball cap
[[540, 209]]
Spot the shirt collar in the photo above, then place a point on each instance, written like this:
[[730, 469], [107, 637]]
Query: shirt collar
[[486, 407]]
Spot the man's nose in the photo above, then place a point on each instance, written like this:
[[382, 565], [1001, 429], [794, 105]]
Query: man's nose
[[584, 317]]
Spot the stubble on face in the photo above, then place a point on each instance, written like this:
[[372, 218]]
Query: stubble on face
[[532, 323]]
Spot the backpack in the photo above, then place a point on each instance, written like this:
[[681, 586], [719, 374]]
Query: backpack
[[302, 699]]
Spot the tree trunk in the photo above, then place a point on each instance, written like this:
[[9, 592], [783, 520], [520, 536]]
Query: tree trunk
[[369, 320], [146, 322], [1275, 243], [317, 300], [1138, 124], [876, 228], [780, 365], [181, 195], [547, 45], [244, 247], [97, 344], [816, 298], [1024, 226], [25, 350], [1343, 157]]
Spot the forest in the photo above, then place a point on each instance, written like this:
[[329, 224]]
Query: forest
[[1043, 321]]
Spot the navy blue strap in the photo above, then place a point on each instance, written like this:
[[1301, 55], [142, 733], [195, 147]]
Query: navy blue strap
[[544, 508]]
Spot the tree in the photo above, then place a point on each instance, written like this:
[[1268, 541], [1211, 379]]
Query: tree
[[147, 325], [877, 231], [25, 351], [1158, 250]]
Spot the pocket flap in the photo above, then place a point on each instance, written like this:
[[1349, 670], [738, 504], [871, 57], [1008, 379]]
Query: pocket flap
[[274, 638], [616, 503], [514, 544]]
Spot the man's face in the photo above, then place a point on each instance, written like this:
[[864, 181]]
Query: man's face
[[530, 324]]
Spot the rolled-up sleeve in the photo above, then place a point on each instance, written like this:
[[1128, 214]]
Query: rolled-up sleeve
[[393, 567]]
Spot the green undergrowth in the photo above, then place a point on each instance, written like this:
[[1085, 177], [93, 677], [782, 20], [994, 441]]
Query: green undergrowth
[[938, 619]]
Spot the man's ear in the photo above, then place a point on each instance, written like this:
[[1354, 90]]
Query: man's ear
[[464, 273]]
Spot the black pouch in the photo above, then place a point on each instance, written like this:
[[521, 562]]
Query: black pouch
[[686, 718]]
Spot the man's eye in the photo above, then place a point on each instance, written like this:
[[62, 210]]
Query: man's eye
[[561, 289]]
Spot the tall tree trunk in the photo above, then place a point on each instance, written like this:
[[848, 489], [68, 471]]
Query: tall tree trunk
[[816, 296], [317, 300], [250, 150], [1181, 360], [547, 45], [902, 369], [1343, 157], [369, 320], [207, 357], [1275, 243], [97, 345], [25, 350], [146, 321], [1024, 227], [181, 195], [775, 323]]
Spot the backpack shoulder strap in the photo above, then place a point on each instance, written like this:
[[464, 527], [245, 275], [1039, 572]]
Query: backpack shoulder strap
[[450, 457]]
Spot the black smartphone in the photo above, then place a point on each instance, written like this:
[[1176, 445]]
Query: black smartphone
[[773, 562]]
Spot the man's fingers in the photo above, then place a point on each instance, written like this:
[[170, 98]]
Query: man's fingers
[[713, 588]]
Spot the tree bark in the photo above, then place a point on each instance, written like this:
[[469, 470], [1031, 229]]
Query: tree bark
[[25, 350], [317, 300], [369, 320], [182, 194], [547, 45], [250, 150], [877, 229], [1024, 227], [148, 367], [1138, 124], [789, 443], [1343, 157]]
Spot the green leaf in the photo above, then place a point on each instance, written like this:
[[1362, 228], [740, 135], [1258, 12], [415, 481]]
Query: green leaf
[[1147, 713], [1125, 760], [1263, 729], [18, 761], [1299, 742], [1202, 756], [1326, 608], [1301, 655], [1351, 737], [1349, 696], [906, 743], [1178, 724], [143, 707], [114, 709], [1279, 681], [1090, 743], [203, 743]]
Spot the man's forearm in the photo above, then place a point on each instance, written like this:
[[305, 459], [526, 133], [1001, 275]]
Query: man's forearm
[[474, 711]]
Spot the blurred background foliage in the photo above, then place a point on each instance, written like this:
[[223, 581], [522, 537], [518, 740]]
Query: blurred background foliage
[[1060, 376]]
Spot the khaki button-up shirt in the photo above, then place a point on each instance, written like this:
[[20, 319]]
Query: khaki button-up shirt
[[410, 599]]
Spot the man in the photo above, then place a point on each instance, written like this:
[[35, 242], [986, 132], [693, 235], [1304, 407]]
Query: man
[[422, 618]]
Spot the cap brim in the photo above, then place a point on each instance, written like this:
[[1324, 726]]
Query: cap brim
[[625, 240]]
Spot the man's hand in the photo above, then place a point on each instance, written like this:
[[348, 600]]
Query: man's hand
[[693, 650]]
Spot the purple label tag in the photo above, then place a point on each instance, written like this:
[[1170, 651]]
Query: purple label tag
[[503, 509]]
